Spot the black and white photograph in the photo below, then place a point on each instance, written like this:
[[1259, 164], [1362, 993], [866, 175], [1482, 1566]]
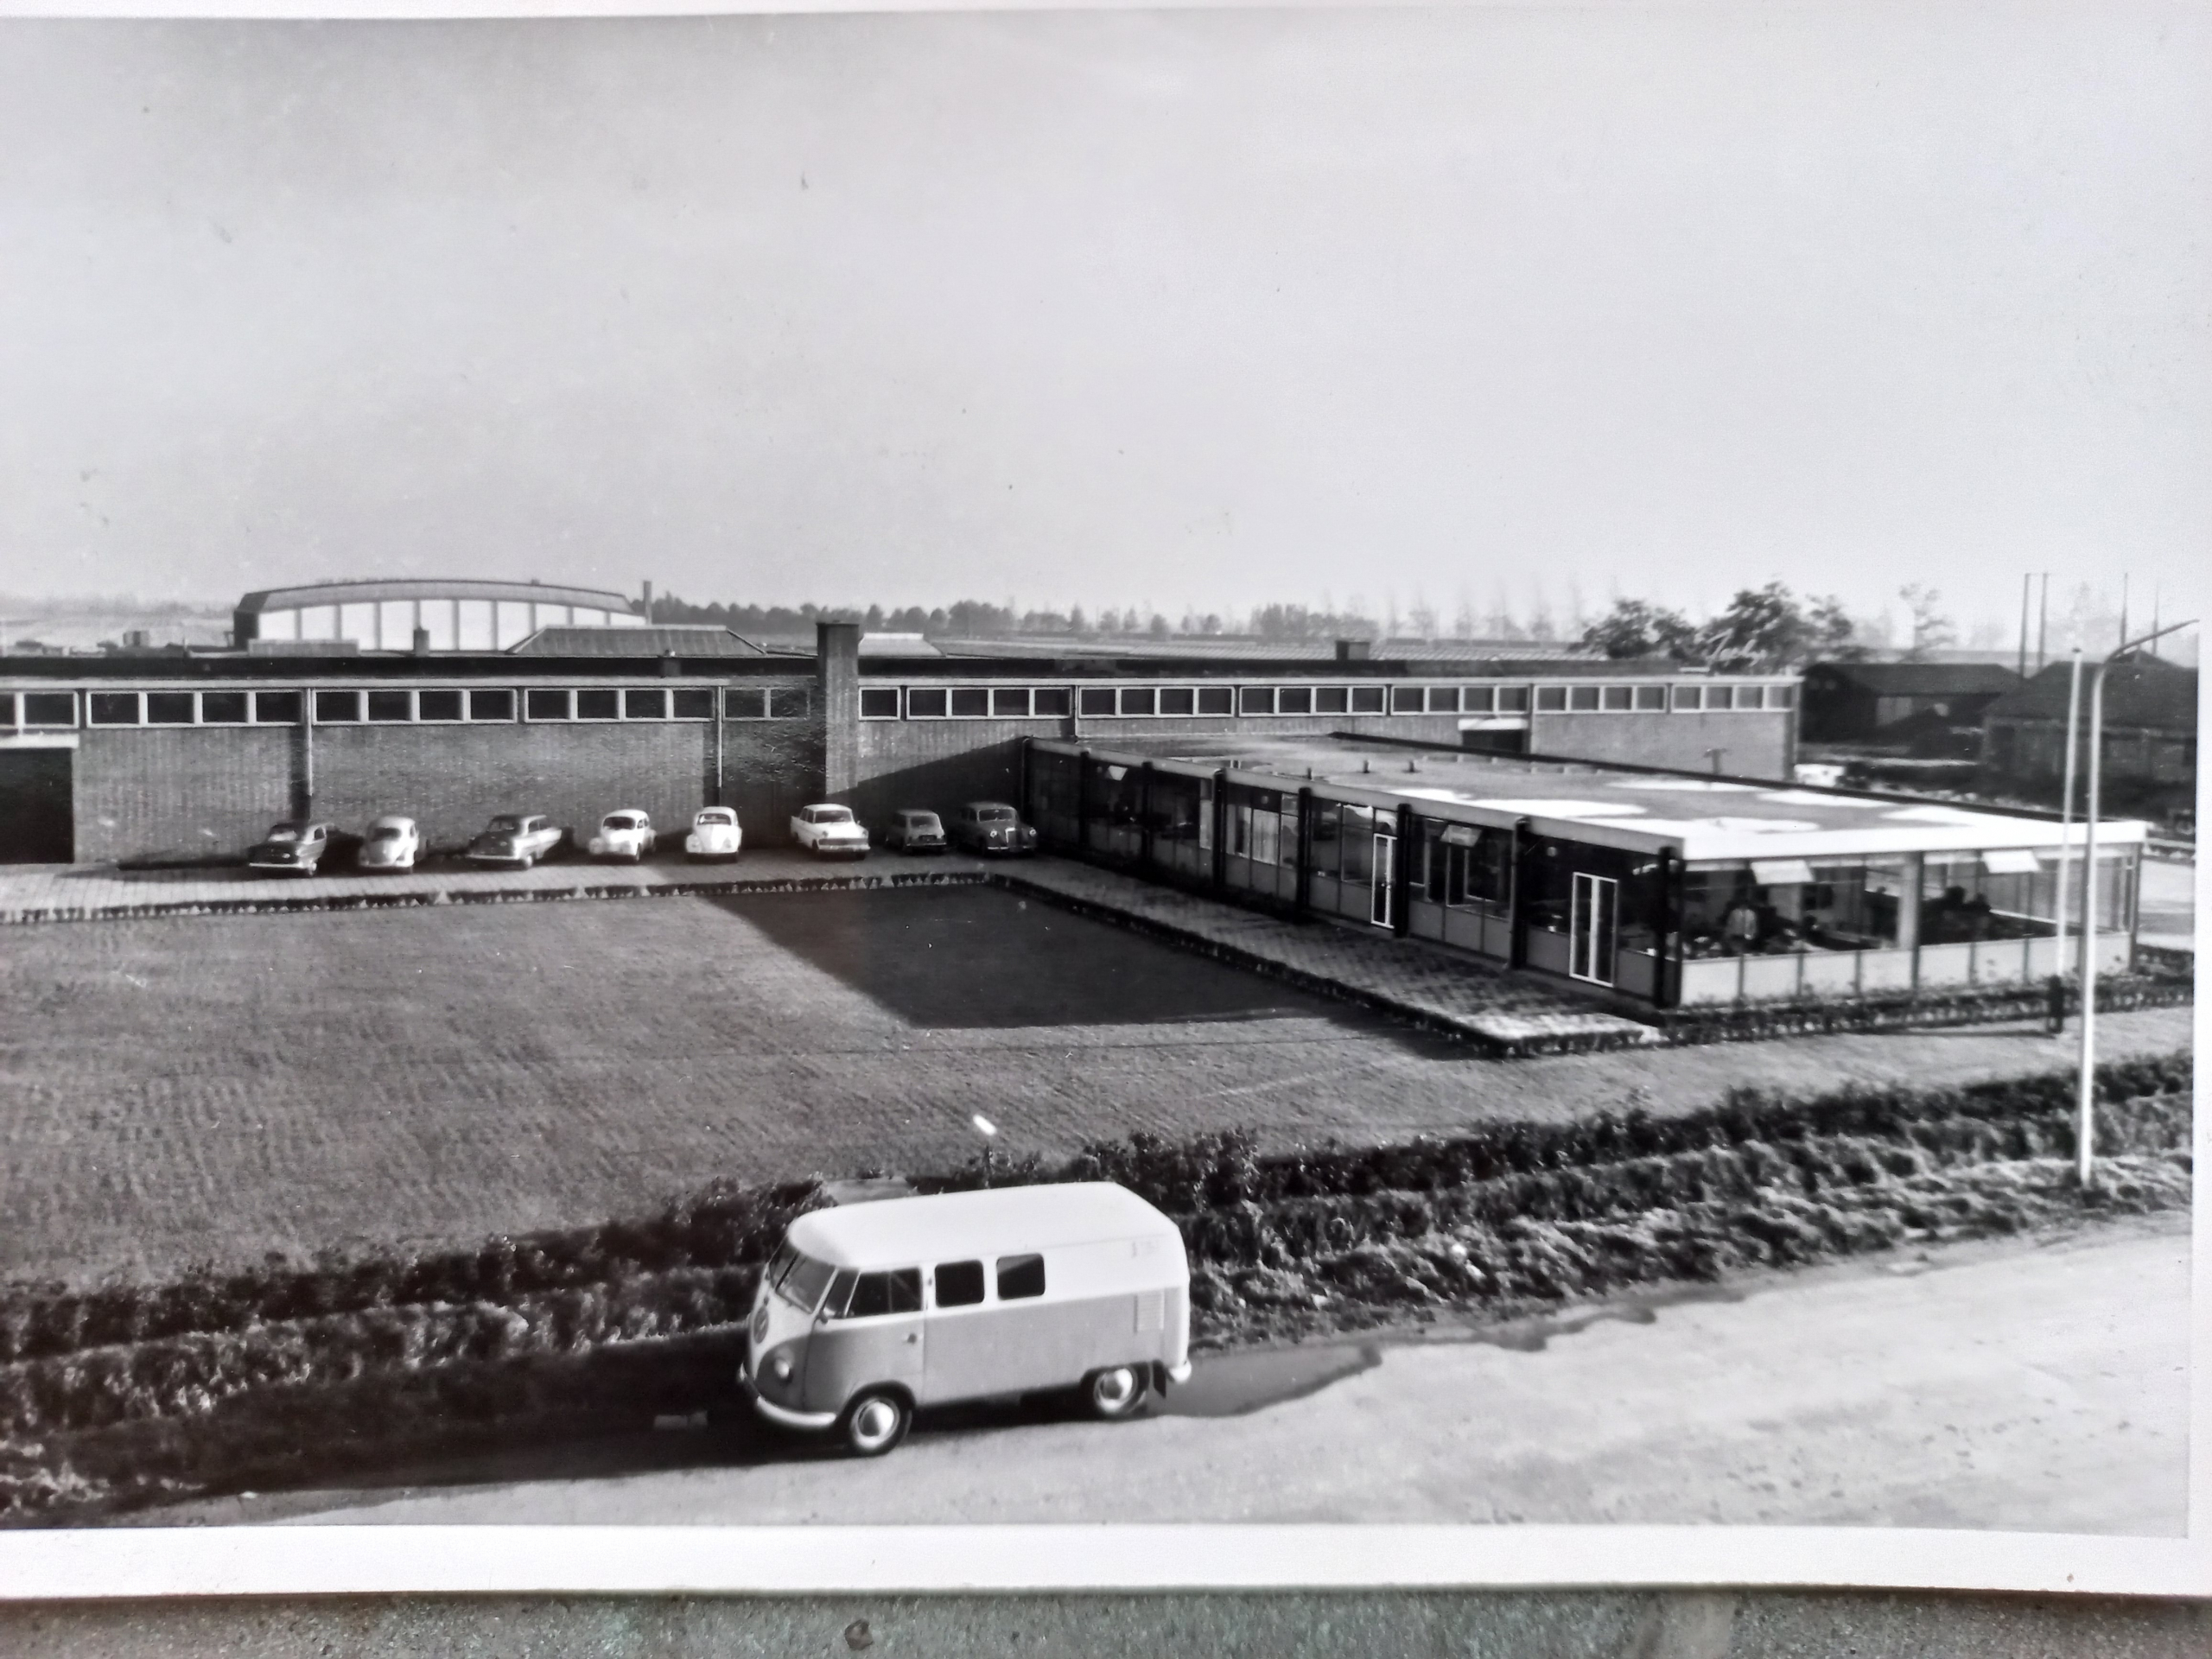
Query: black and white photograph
[[1318, 768]]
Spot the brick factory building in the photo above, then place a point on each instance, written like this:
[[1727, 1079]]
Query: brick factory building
[[190, 757]]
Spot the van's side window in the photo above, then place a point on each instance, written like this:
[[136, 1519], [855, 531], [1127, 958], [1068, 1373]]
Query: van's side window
[[959, 1284], [841, 1290], [886, 1292], [1020, 1276]]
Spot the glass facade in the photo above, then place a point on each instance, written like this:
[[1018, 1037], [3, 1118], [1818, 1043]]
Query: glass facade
[[1638, 923]]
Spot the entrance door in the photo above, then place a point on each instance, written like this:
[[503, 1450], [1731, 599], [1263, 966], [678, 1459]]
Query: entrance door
[[36, 824], [1591, 928], [1385, 879]]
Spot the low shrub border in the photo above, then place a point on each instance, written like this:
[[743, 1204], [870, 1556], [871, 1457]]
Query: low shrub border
[[125, 1394]]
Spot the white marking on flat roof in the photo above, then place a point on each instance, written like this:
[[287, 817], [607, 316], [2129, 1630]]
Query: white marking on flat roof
[[1937, 815], [1758, 826], [1808, 797], [1565, 808], [1688, 785]]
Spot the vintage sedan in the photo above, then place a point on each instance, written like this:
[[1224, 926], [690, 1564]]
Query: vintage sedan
[[625, 834], [992, 828], [715, 833], [516, 838], [830, 831], [296, 848], [393, 843], [914, 830]]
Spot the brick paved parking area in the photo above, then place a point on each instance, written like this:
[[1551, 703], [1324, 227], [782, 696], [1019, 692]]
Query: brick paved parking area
[[175, 1090]]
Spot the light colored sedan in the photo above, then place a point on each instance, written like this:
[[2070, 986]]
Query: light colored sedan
[[830, 831], [626, 834], [715, 833], [392, 843]]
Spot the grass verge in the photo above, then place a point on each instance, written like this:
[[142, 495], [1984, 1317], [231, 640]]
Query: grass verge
[[132, 1393]]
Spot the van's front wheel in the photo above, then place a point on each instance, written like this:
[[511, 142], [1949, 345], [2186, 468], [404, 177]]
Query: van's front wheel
[[1115, 1392], [876, 1422]]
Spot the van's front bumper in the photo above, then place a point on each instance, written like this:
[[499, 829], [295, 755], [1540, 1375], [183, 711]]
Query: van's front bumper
[[784, 1416]]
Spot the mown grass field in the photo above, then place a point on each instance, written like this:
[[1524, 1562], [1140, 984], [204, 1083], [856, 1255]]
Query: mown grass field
[[215, 1089]]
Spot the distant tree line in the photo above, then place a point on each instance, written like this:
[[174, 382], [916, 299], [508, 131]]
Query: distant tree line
[[1761, 629]]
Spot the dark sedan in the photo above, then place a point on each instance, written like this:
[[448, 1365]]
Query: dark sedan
[[914, 830], [293, 849], [992, 828]]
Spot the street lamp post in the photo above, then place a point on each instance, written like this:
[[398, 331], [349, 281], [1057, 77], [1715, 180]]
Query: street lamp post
[[2085, 1116], [2065, 846]]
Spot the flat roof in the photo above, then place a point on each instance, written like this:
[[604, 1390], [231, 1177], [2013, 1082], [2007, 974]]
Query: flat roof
[[1000, 1220], [1700, 819]]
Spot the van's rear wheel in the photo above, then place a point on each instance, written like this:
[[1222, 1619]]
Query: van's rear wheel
[[1115, 1392], [876, 1423]]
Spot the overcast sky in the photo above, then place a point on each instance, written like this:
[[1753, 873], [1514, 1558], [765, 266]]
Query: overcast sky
[[1191, 309]]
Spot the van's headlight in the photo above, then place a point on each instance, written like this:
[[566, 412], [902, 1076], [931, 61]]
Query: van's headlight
[[780, 1365]]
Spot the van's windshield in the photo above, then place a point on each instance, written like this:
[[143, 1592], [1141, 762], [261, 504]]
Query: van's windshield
[[799, 1280]]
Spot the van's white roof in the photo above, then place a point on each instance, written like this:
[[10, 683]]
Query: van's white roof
[[1005, 1220]]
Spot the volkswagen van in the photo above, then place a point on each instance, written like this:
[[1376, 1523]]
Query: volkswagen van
[[870, 1311]]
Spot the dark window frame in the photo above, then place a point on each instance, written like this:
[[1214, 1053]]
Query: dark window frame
[[1019, 1278], [105, 707], [531, 699], [275, 701], [423, 707], [335, 718], [758, 695], [406, 703], [477, 714], [960, 1273], [612, 704], [55, 720], [879, 695], [1217, 700]]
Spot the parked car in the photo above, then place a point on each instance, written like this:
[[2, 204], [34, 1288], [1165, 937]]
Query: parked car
[[296, 848], [914, 830], [625, 834], [992, 827], [392, 843], [715, 833], [868, 1310], [830, 831], [516, 838]]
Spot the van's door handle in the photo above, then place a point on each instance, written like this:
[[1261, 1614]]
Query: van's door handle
[[914, 1336]]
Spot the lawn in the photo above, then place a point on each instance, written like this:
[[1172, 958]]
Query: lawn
[[212, 1089]]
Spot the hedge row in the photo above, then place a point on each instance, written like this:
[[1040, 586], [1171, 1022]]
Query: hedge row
[[1373, 1263], [724, 1225], [187, 1375]]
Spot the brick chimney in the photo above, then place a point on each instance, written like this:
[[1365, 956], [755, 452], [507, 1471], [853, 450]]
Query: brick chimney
[[838, 704]]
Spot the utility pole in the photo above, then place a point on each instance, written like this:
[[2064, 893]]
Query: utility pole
[[2042, 622], [2027, 590], [2085, 1112]]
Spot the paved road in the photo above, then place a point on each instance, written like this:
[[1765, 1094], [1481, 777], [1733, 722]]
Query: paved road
[[2003, 1385]]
